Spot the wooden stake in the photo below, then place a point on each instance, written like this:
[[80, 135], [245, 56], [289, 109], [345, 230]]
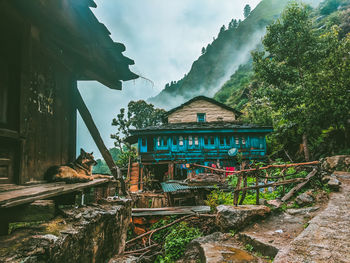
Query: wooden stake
[[89, 122]]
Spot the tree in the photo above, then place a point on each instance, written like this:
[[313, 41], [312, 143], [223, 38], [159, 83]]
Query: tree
[[247, 10], [233, 24], [203, 50], [139, 115], [303, 77], [222, 30]]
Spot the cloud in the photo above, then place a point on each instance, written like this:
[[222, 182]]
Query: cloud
[[164, 38]]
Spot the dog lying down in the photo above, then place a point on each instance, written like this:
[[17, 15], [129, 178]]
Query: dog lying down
[[78, 171]]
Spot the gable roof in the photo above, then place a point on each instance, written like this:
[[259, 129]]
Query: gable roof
[[238, 113]]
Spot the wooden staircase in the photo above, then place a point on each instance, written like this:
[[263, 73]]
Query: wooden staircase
[[134, 177]]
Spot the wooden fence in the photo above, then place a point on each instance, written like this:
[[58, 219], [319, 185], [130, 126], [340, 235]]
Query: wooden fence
[[255, 172]]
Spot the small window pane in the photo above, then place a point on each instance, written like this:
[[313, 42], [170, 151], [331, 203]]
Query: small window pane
[[211, 140], [237, 141], [196, 141], [181, 141], [165, 141], [143, 141], [201, 117], [243, 140], [190, 141], [222, 140], [174, 140], [228, 141], [206, 140], [158, 141]]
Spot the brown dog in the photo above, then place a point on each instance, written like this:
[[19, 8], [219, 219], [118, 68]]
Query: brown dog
[[76, 172]]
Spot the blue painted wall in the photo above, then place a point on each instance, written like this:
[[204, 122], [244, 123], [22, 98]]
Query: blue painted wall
[[199, 146]]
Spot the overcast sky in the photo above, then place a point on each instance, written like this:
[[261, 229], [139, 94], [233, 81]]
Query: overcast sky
[[163, 37]]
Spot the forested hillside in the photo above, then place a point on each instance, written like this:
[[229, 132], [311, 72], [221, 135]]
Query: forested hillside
[[222, 57]]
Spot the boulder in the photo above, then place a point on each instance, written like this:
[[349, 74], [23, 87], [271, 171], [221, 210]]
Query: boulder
[[237, 217], [336, 163], [304, 199], [87, 234], [302, 211], [276, 203], [334, 184], [215, 248]]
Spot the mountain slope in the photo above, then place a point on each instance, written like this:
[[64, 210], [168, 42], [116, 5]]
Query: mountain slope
[[222, 58]]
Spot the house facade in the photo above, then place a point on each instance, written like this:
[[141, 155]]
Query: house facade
[[201, 131]]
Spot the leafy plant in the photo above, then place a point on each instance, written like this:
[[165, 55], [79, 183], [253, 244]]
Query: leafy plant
[[218, 197]]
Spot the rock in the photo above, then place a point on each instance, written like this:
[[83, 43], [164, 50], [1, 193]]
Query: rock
[[123, 259], [276, 203], [325, 179], [336, 163], [262, 201], [39, 210], [334, 184], [304, 199], [215, 248], [302, 211], [86, 234], [231, 217]]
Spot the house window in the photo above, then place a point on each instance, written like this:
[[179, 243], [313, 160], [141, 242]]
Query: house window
[[165, 141], [143, 141], [211, 140], [190, 141], [222, 140], [196, 141], [181, 141], [158, 141], [200, 117], [243, 140], [206, 140], [227, 141], [174, 140], [237, 141]]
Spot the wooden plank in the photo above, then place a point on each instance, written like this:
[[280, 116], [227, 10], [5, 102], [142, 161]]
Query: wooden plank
[[299, 186], [44, 192], [181, 210]]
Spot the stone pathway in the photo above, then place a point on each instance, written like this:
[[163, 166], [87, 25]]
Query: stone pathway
[[327, 238]]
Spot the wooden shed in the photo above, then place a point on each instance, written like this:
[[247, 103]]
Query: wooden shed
[[45, 47]]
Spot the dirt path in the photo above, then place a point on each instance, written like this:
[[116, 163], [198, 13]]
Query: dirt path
[[327, 238]]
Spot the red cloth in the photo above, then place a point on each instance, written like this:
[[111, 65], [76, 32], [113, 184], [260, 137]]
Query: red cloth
[[231, 169]]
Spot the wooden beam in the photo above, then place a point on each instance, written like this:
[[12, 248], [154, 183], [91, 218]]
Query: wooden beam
[[90, 124], [299, 186]]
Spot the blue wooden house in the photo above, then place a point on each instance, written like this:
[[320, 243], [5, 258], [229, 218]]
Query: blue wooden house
[[201, 131]]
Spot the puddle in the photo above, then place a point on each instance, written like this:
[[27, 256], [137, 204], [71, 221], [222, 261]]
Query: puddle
[[235, 255]]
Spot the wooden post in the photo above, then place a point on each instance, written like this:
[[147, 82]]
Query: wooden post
[[245, 184], [257, 190], [283, 186], [236, 193], [89, 122]]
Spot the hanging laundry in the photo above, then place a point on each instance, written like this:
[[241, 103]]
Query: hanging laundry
[[231, 169]]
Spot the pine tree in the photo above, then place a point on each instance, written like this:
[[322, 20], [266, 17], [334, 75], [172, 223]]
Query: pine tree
[[203, 50], [247, 10]]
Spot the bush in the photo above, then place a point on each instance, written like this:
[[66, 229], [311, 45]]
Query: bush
[[177, 240]]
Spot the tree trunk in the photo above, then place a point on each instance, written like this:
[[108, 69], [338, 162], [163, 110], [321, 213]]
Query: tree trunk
[[306, 148]]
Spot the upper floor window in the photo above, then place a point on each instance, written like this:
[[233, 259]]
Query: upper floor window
[[243, 140], [190, 140], [165, 141], [237, 141], [181, 141], [196, 140], [174, 140], [200, 117], [143, 142]]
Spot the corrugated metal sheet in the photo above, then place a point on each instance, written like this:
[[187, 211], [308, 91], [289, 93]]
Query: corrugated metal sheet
[[172, 186]]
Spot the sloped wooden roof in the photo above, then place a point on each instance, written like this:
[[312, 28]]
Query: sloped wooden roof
[[71, 32]]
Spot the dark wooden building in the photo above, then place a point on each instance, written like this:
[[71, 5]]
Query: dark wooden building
[[45, 47]]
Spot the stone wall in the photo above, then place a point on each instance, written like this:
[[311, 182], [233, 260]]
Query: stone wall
[[189, 113], [88, 234]]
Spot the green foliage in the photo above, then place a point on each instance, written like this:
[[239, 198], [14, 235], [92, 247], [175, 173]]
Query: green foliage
[[177, 240], [298, 65], [249, 247], [123, 158], [139, 114], [101, 167], [218, 197]]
